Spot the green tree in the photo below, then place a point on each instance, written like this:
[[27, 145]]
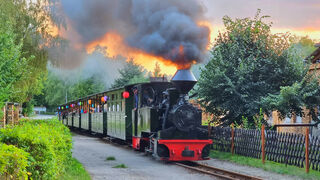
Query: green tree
[[11, 62], [132, 73], [32, 23], [86, 87], [56, 90], [157, 71], [248, 64]]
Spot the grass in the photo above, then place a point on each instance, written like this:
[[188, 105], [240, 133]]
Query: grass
[[75, 171], [120, 166], [268, 166], [110, 158]]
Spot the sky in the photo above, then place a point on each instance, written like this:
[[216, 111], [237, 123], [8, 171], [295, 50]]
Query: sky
[[300, 17]]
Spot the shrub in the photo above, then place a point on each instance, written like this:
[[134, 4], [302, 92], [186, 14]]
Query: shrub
[[47, 141], [13, 162]]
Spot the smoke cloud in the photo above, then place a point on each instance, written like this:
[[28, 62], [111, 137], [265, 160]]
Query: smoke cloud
[[162, 28], [94, 65]]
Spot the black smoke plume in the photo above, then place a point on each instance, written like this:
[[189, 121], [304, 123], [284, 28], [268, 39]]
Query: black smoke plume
[[158, 27]]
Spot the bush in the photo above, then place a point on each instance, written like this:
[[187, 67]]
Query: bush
[[13, 162], [47, 141]]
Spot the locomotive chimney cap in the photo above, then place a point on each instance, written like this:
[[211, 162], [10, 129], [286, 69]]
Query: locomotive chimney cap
[[184, 80], [183, 75]]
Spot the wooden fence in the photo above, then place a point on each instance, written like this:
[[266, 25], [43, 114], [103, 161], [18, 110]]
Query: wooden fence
[[10, 114], [287, 148]]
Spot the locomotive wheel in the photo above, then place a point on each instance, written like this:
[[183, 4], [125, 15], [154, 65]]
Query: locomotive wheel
[[205, 151], [143, 145], [162, 151]]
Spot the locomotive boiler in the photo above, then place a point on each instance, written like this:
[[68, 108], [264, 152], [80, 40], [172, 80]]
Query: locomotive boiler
[[155, 117]]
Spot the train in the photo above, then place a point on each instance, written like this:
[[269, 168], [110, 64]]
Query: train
[[155, 117]]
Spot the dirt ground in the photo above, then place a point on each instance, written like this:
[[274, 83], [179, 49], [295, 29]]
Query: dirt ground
[[92, 153]]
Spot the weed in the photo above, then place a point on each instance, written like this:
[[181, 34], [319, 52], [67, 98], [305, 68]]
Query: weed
[[110, 158], [120, 166]]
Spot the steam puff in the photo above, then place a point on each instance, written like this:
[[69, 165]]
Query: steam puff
[[158, 27]]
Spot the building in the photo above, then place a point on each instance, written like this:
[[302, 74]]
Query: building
[[39, 110]]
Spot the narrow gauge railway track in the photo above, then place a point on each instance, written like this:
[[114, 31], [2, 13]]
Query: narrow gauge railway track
[[217, 172]]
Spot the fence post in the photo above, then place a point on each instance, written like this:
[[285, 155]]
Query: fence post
[[232, 140], [209, 129], [262, 144], [307, 150]]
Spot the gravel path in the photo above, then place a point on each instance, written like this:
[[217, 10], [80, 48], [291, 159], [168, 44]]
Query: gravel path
[[40, 116], [92, 153]]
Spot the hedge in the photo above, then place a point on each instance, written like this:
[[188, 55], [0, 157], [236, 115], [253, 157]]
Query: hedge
[[48, 143], [13, 162]]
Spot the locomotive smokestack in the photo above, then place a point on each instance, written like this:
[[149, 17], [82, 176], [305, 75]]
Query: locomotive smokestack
[[184, 80]]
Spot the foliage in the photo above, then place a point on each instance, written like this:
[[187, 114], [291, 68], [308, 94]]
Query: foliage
[[268, 166], [74, 170], [11, 62], [293, 99], [248, 64], [13, 162], [110, 158], [25, 34], [120, 166], [132, 73], [47, 141], [27, 108], [55, 89], [86, 87], [259, 120], [157, 71]]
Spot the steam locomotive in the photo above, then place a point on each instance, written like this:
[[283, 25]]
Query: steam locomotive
[[154, 117]]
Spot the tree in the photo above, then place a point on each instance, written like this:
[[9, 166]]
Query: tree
[[86, 87], [11, 62], [248, 64], [157, 70], [32, 22], [132, 73], [55, 89]]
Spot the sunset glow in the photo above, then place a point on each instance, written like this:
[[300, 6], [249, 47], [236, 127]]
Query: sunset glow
[[115, 46]]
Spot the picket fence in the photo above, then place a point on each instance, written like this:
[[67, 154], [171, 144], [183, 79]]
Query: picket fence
[[287, 148]]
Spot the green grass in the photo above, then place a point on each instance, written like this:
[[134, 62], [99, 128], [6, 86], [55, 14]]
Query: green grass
[[75, 171], [110, 158], [120, 166], [268, 166]]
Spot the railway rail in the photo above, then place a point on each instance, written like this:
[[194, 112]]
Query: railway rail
[[217, 172]]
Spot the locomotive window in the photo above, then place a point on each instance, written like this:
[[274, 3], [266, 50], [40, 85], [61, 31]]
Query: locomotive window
[[113, 107], [112, 97], [148, 96], [118, 107]]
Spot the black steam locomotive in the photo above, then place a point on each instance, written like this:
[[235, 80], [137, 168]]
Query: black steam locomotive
[[155, 117]]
